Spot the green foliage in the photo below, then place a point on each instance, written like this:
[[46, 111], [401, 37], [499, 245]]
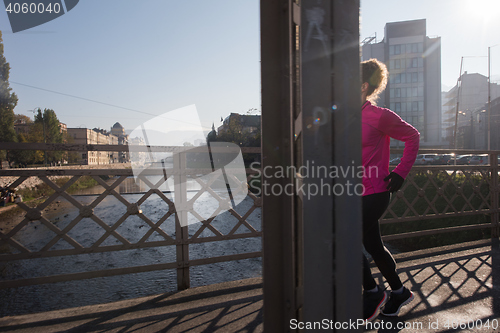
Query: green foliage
[[8, 101], [22, 157], [473, 187], [44, 190], [46, 128], [236, 134]]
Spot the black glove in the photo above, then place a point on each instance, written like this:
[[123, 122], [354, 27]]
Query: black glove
[[396, 181]]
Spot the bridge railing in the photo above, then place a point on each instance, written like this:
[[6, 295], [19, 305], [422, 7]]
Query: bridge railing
[[430, 192], [159, 217], [437, 192]]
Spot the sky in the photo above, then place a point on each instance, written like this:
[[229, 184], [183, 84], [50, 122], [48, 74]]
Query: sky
[[128, 61]]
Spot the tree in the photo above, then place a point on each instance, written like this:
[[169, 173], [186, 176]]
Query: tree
[[8, 101], [47, 128], [233, 131], [22, 157], [22, 119]]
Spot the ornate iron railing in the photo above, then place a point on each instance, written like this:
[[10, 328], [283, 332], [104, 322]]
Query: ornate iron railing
[[166, 229], [433, 192], [429, 193]]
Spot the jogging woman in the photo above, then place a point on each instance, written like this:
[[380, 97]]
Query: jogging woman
[[378, 126]]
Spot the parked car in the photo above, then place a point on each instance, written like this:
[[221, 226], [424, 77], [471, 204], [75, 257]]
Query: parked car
[[461, 160], [425, 159], [479, 160], [442, 159], [395, 161]]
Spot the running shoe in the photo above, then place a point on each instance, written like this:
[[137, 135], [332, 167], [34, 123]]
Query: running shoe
[[396, 302], [372, 302]]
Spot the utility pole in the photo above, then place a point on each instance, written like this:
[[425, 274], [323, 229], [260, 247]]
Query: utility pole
[[489, 97], [44, 139], [472, 138], [489, 101], [459, 85]]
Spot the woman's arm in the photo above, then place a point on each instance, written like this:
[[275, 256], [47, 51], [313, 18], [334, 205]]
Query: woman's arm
[[392, 125]]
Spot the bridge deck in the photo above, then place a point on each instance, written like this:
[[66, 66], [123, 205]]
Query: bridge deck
[[453, 285]]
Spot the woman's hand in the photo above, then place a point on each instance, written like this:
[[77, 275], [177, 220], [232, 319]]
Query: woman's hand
[[396, 181]]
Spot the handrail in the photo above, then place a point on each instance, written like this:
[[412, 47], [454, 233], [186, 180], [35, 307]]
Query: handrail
[[476, 192]]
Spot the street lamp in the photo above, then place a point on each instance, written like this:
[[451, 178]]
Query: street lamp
[[472, 139]]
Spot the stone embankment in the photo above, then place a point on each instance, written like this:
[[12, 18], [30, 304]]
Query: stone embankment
[[31, 182]]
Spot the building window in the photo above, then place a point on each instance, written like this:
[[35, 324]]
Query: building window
[[414, 92], [420, 76], [414, 77], [397, 63], [414, 47], [420, 62], [420, 106], [414, 62], [414, 106], [391, 50], [397, 49], [398, 78], [397, 92], [398, 107], [420, 91]]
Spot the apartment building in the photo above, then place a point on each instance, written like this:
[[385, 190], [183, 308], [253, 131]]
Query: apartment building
[[414, 87]]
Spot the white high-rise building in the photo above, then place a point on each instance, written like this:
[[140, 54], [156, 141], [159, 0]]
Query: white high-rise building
[[414, 88]]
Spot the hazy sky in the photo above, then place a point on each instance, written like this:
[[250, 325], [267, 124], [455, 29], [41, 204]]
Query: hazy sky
[[145, 58]]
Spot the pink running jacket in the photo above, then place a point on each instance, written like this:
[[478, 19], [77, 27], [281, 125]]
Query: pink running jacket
[[378, 125]]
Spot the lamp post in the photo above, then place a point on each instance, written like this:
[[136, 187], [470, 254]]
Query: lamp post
[[459, 85], [471, 135]]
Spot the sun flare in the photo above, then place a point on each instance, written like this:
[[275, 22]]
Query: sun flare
[[481, 9]]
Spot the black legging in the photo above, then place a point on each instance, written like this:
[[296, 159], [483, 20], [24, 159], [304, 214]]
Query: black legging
[[374, 206]]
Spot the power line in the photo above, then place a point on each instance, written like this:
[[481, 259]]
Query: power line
[[102, 103]]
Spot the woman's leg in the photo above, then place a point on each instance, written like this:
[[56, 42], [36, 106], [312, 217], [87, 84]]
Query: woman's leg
[[374, 206]]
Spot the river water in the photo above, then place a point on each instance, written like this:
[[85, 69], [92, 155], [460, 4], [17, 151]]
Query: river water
[[102, 290]]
